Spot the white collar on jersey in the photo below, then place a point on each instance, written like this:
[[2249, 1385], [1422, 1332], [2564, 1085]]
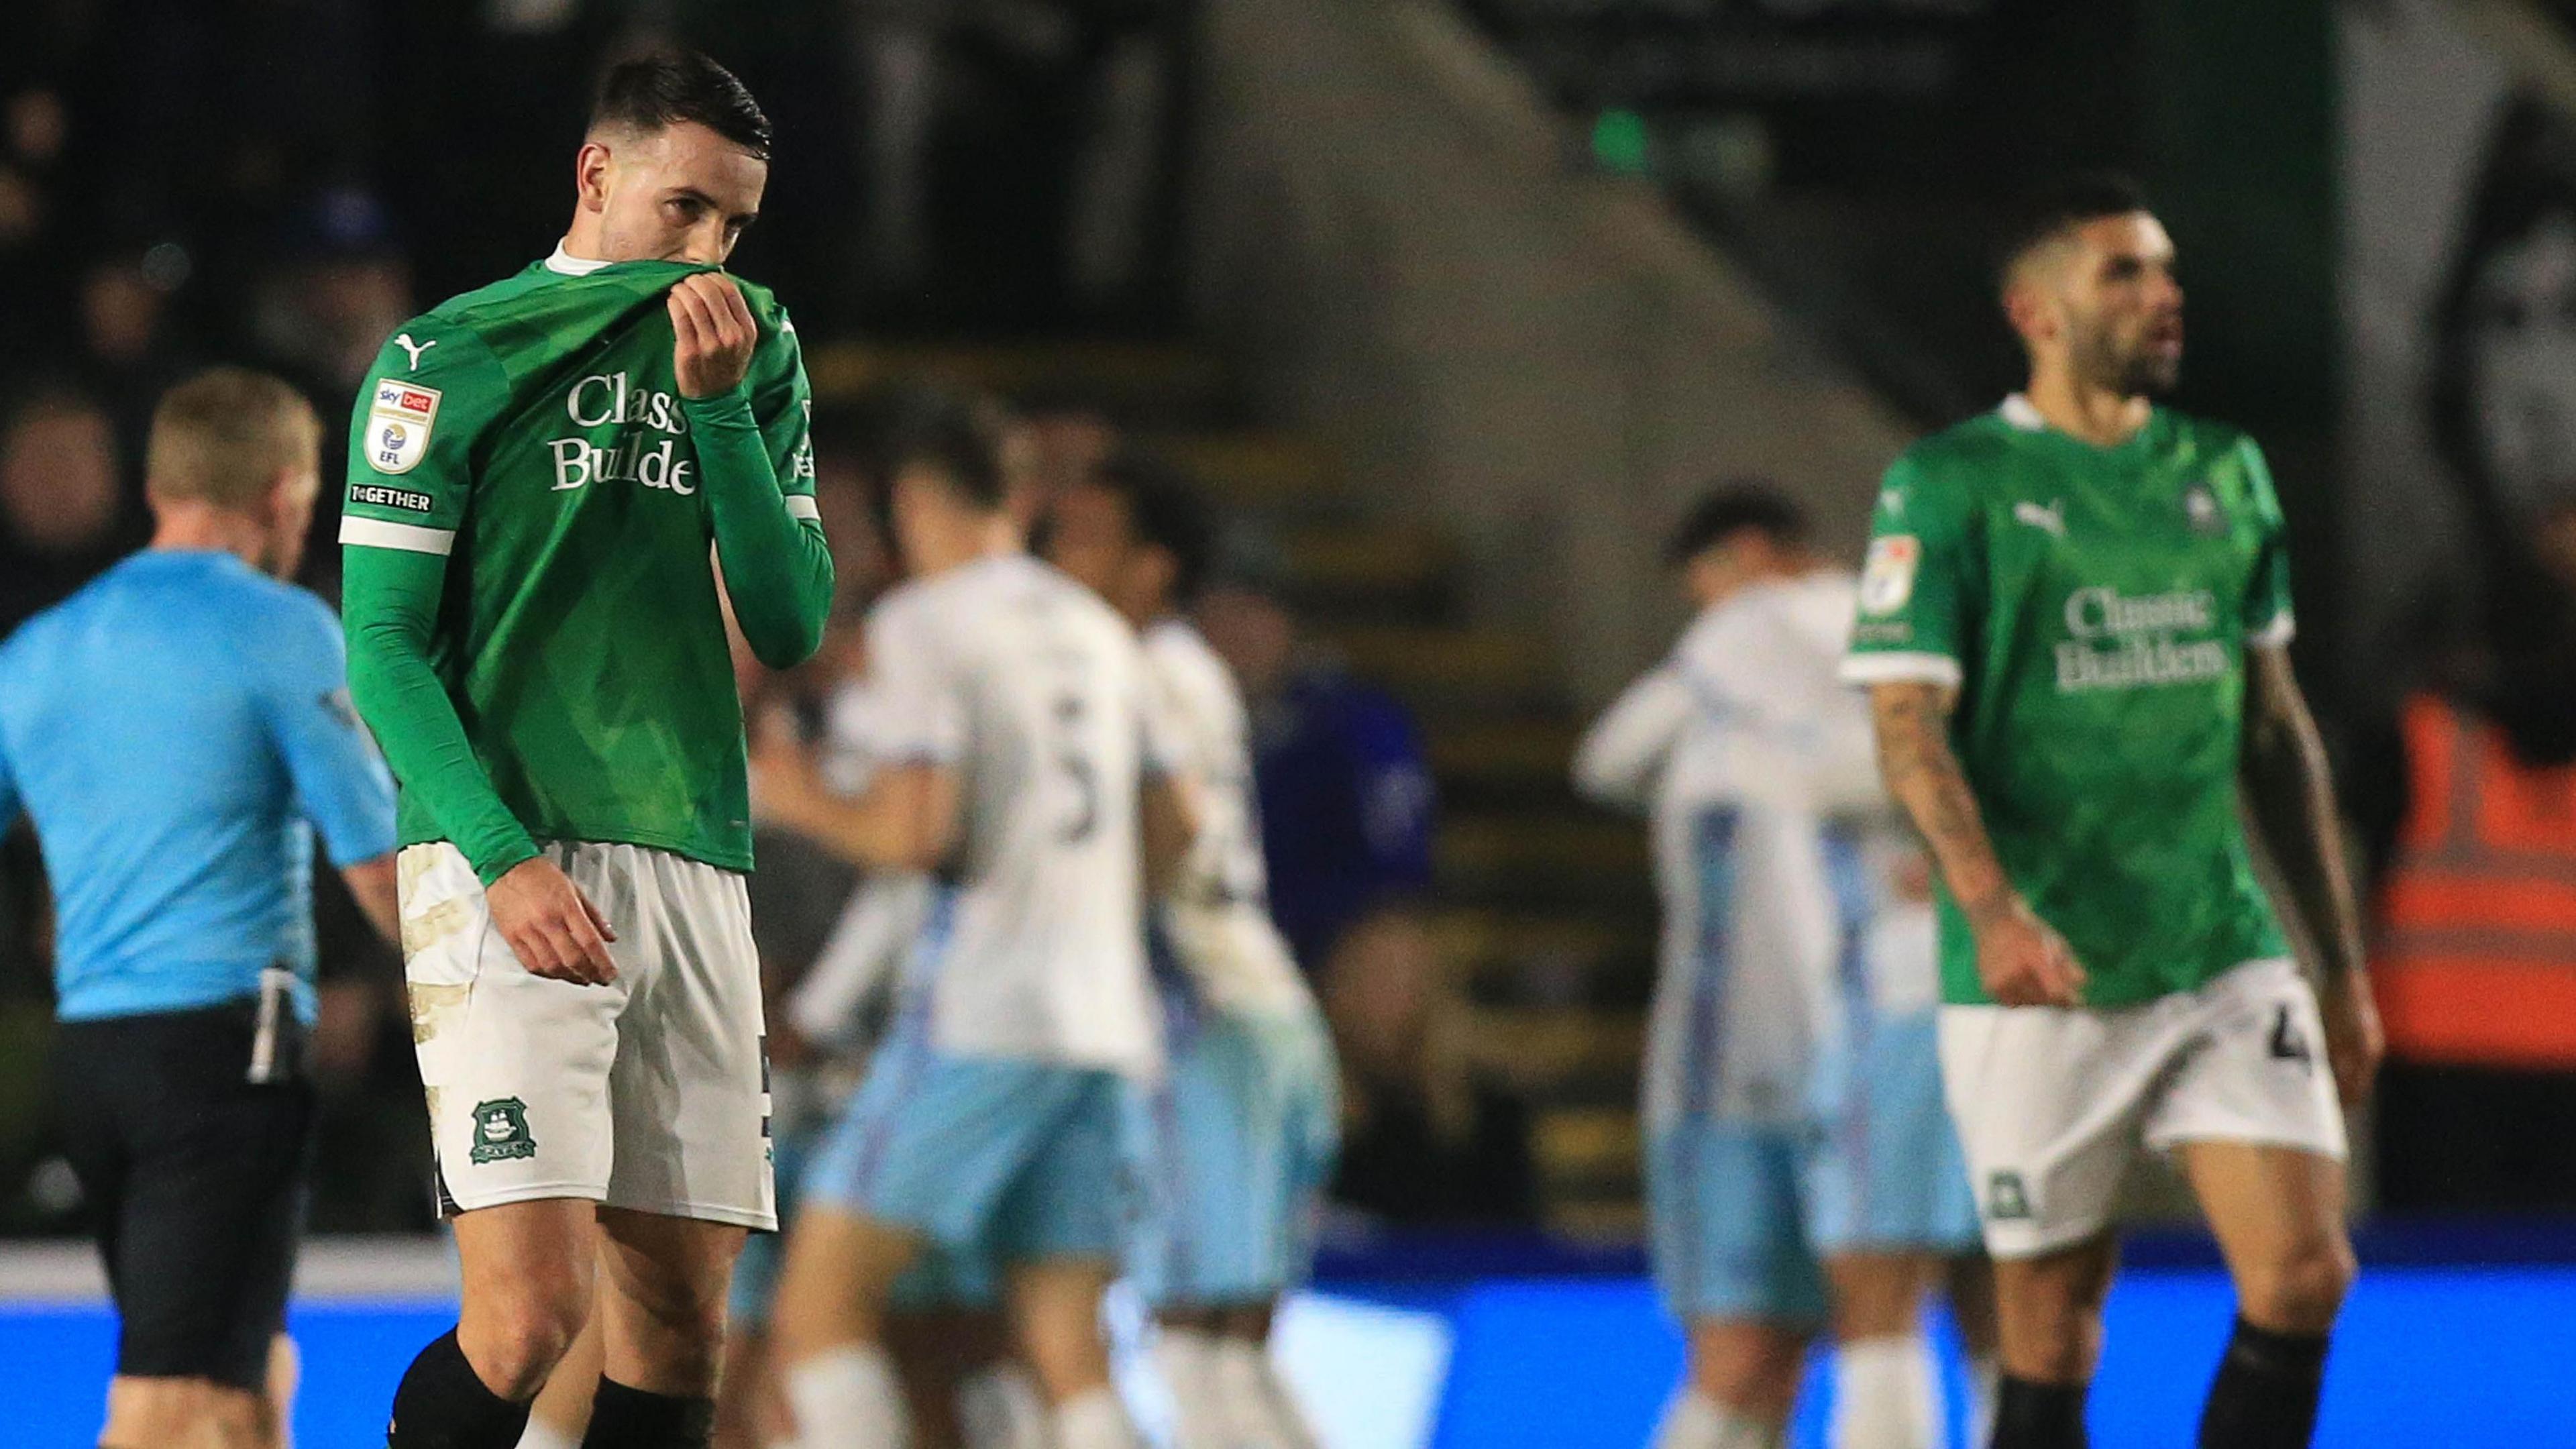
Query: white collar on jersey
[[569, 265], [2017, 410]]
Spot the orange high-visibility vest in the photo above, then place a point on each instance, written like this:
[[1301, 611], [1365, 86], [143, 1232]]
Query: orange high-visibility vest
[[2476, 951]]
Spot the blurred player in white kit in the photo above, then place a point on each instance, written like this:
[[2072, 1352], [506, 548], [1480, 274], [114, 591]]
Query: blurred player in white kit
[[1237, 1142], [1022, 767], [1802, 1172]]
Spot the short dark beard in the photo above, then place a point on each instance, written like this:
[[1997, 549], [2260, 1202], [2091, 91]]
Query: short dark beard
[[2142, 373], [2149, 376]]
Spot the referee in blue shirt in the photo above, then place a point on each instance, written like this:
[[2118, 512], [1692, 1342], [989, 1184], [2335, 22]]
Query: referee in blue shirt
[[177, 731]]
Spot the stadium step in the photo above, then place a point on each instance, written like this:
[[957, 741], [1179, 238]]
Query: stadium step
[[1435, 665], [1612, 1215], [1588, 1160], [1547, 918], [1369, 570], [1140, 383], [1483, 939], [1545, 1050], [1255, 472], [1485, 761], [1587, 1142], [1528, 849]]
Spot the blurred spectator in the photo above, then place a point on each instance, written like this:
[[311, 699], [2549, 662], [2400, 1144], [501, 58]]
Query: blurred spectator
[[1346, 795], [1425, 1138], [337, 285], [62, 509], [1052, 444], [130, 348], [2464, 772], [2475, 952], [33, 128]]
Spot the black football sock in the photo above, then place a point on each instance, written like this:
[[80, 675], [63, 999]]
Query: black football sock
[[2265, 1396], [442, 1404], [624, 1418], [2031, 1415]]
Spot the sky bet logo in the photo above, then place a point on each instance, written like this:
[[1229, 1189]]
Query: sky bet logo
[[603, 399]]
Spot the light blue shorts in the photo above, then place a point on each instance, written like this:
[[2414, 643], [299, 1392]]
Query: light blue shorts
[[1235, 1147], [1726, 1203], [1888, 1171], [944, 1278], [1016, 1159]]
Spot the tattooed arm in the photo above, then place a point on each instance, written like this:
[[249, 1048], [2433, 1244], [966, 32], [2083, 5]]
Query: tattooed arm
[[2022, 961], [2289, 792]]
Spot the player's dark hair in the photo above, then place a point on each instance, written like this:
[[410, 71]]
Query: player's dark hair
[[658, 92], [2061, 205], [1163, 511], [958, 438], [1732, 507]]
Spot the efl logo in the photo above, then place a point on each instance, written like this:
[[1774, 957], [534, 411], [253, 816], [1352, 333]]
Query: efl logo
[[398, 426]]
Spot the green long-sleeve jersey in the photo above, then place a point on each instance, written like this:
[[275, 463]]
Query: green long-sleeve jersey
[[534, 629]]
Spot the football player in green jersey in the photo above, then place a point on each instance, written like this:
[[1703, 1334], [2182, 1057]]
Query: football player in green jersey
[[538, 473], [2074, 623]]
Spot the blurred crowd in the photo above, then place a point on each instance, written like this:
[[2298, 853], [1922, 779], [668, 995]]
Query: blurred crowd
[[280, 182]]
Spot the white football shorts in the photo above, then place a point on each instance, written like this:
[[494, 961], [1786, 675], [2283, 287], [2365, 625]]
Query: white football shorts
[[2054, 1105], [648, 1093]]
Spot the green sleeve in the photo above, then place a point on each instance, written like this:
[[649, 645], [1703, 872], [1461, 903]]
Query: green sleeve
[[1917, 586], [756, 467], [2269, 619], [410, 483]]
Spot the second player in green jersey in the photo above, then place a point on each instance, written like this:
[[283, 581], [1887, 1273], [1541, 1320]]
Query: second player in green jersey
[[2092, 606], [2074, 622]]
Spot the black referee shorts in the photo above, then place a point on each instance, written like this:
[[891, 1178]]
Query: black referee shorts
[[196, 1180]]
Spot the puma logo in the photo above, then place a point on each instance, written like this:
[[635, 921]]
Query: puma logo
[[414, 348], [2049, 520]]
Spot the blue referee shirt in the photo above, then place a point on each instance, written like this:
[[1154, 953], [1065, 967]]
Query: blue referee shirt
[[176, 730]]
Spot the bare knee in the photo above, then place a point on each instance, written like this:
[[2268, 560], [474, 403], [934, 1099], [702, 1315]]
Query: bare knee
[[2300, 1290], [1877, 1295], [833, 1287], [1055, 1310], [1751, 1368], [514, 1338], [2050, 1312], [678, 1327]]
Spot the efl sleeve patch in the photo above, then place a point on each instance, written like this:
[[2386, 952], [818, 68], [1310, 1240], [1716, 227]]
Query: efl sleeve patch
[[400, 416], [1887, 579]]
